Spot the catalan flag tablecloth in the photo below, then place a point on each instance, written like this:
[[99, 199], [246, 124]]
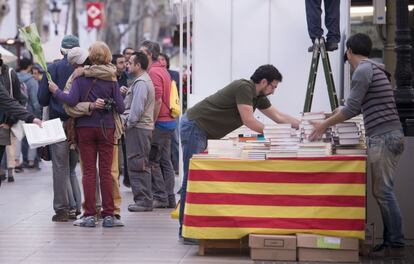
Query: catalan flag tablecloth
[[228, 199]]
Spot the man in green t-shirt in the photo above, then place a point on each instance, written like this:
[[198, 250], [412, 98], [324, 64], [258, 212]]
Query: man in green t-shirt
[[227, 110]]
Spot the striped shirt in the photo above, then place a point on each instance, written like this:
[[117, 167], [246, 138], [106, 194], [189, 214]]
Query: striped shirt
[[371, 93]]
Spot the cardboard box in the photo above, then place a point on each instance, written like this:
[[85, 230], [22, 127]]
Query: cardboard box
[[272, 247], [327, 249]]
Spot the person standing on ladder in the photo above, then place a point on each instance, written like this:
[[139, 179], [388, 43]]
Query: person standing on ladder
[[313, 18]]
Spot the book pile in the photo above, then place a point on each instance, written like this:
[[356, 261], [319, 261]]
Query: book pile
[[254, 149], [349, 137], [315, 149], [283, 140], [220, 148], [306, 127], [320, 147]]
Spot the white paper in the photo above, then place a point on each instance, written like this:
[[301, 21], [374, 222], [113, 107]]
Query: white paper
[[51, 132]]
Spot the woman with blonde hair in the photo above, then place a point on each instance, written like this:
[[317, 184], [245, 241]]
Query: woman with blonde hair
[[95, 133]]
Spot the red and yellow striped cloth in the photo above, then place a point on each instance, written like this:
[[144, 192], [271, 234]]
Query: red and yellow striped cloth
[[228, 199]]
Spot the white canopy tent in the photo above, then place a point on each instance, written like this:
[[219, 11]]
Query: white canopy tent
[[7, 56]]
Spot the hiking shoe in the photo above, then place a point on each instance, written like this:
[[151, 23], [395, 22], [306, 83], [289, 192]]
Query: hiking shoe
[[10, 179], [159, 204], [73, 214], [61, 216], [331, 46], [108, 221], [88, 221], [138, 208], [171, 201]]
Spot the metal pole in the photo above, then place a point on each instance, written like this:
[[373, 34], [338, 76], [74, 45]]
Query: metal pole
[[181, 59], [404, 94], [389, 43]]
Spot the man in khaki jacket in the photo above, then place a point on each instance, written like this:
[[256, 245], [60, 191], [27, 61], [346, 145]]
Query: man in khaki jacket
[[139, 122]]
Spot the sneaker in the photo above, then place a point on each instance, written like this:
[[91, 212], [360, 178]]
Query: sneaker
[[73, 214], [188, 241], [118, 222], [108, 221], [159, 204], [386, 251], [138, 208], [331, 46], [171, 201], [10, 179], [88, 221], [61, 216], [18, 169]]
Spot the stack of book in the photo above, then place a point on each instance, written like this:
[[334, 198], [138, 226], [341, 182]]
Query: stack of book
[[349, 137], [220, 148], [283, 141], [320, 147], [306, 127], [315, 149]]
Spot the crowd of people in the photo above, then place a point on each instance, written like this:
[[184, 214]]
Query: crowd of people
[[108, 103]]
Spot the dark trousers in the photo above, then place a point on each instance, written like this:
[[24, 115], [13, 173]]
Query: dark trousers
[[161, 167], [91, 143], [138, 146], [313, 17]]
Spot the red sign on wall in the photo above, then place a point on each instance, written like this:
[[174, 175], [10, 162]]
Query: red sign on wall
[[95, 14]]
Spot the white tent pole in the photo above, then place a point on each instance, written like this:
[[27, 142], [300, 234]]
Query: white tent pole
[[180, 151]]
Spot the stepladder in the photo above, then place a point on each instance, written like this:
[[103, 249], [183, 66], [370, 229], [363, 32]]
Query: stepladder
[[319, 51]]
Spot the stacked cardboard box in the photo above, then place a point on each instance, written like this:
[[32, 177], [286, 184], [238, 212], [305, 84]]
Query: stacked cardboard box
[[272, 247], [327, 249]]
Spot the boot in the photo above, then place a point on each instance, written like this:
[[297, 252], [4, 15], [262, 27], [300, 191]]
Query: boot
[[10, 175]]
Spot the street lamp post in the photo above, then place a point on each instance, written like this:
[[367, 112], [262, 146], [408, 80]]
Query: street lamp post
[[404, 94], [55, 16]]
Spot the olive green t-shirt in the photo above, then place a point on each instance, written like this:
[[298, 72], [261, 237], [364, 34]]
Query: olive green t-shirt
[[217, 115]]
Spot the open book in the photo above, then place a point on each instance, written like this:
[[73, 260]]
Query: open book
[[51, 132]]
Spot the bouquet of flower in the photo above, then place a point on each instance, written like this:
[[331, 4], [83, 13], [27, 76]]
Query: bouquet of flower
[[31, 38]]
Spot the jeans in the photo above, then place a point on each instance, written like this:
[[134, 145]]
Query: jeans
[[193, 141], [384, 151], [74, 193], [175, 146], [28, 153], [313, 17]]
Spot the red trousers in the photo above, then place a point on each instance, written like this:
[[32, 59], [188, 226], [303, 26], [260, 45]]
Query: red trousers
[[91, 142]]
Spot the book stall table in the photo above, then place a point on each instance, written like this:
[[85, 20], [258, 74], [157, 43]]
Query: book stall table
[[229, 199]]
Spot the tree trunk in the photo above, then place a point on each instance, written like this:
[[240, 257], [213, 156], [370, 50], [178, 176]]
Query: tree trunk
[[39, 13], [75, 28], [136, 14]]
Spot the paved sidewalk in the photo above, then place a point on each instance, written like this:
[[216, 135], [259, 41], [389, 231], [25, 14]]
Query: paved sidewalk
[[27, 234]]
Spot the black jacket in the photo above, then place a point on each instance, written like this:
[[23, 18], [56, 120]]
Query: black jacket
[[11, 107], [7, 85]]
